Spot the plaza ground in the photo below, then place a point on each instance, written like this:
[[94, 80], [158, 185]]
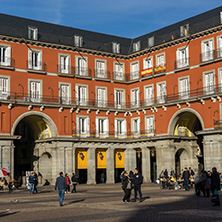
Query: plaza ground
[[103, 202]]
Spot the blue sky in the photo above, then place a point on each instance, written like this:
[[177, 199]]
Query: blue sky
[[127, 18]]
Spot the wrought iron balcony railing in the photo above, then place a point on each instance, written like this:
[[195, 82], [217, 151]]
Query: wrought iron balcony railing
[[208, 56], [7, 61], [120, 76], [36, 66], [65, 69], [102, 74], [83, 72], [181, 63]]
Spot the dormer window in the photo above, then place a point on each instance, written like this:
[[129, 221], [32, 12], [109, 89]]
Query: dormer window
[[151, 41], [184, 30], [32, 33], [221, 17], [78, 41], [136, 46], [116, 47]]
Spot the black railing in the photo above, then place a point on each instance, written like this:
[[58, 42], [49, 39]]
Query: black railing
[[83, 72], [181, 63], [65, 69], [36, 66], [119, 76], [102, 74], [134, 75], [7, 61], [208, 56]]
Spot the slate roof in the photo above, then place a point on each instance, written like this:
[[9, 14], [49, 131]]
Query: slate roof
[[18, 27]]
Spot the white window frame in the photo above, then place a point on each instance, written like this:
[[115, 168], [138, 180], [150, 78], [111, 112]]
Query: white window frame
[[123, 132], [40, 90], [209, 54], [134, 74], [65, 99], [135, 132], [122, 97], [161, 98], [136, 102], [64, 68], [150, 131], [182, 62], [209, 89], [35, 65], [105, 132], [184, 94], [157, 59], [35, 33], [145, 62], [150, 41], [220, 78], [5, 89], [148, 100], [101, 102], [119, 75], [5, 57], [219, 46], [78, 41], [81, 71], [101, 73], [136, 46], [79, 99], [80, 132], [184, 30], [116, 47]]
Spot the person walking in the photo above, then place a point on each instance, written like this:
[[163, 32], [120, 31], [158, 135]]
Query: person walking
[[186, 177], [61, 184], [74, 183], [32, 183], [197, 177], [206, 188], [127, 187], [36, 183], [103, 177], [9, 182], [215, 186], [137, 181], [67, 183]]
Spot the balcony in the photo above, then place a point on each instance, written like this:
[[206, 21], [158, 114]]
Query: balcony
[[36, 67], [119, 76], [134, 76], [181, 64], [207, 57], [7, 63], [160, 70], [65, 70], [217, 124], [83, 72], [102, 74]]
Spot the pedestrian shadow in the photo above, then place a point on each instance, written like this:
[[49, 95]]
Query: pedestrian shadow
[[45, 191], [6, 213], [82, 191], [75, 201], [147, 197]]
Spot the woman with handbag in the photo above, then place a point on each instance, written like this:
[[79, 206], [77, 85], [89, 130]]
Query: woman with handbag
[[127, 187], [74, 183]]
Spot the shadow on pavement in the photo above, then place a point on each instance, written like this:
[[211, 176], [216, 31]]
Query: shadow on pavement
[[75, 201], [7, 213]]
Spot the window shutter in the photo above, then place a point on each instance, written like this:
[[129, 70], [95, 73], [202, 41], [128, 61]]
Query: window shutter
[[8, 56], [40, 60], [97, 126], [36, 34], [1, 86], [37, 90], [88, 125], [106, 126], [124, 127], [116, 127], [29, 59]]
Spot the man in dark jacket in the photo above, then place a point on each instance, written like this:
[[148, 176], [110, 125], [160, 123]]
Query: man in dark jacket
[[61, 184], [186, 177], [137, 181], [215, 185]]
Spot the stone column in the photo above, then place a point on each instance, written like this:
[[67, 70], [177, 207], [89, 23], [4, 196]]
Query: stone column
[[55, 167], [62, 159], [69, 161], [110, 165], [91, 165], [130, 159], [146, 164]]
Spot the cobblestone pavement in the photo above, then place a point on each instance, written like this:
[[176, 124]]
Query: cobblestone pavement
[[104, 203]]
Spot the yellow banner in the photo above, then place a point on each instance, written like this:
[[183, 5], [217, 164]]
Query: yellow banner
[[147, 71], [160, 69]]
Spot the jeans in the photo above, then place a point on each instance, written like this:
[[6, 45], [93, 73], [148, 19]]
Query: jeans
[[32, 187], [127, 193], [61, 196], [137, 188], [197, 189], [186, 184]]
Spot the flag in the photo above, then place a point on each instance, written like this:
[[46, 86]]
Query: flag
[[146, 72], [160, 69]]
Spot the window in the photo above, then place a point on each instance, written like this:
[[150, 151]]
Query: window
[[4, 87], [151, 41], [149, 124], [5, 55], [220, 79], [81, 68], [83, 126], [32, 33], [182, 57], [119, 97], [184, 88], [136, 46], [134, 73], [148, 63], [119, 71], [135, 126], [207, 50], [116, 47], [64, 64], [35, 90], [120, 128], [221, 17], [219, 46], [101, 69], [101, 97], [184, 30], [135, 100], [149, 97], [78, 41], [81, 95], [35, 59], [161, 92], [102, 127], [209, 82], [65, 89], [160, 60]]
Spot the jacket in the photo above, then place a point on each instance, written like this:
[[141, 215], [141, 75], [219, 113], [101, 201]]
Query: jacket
[[60, 183], [215, 181], [67, 180], [186, 175], [126, 183], [137, 179]]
